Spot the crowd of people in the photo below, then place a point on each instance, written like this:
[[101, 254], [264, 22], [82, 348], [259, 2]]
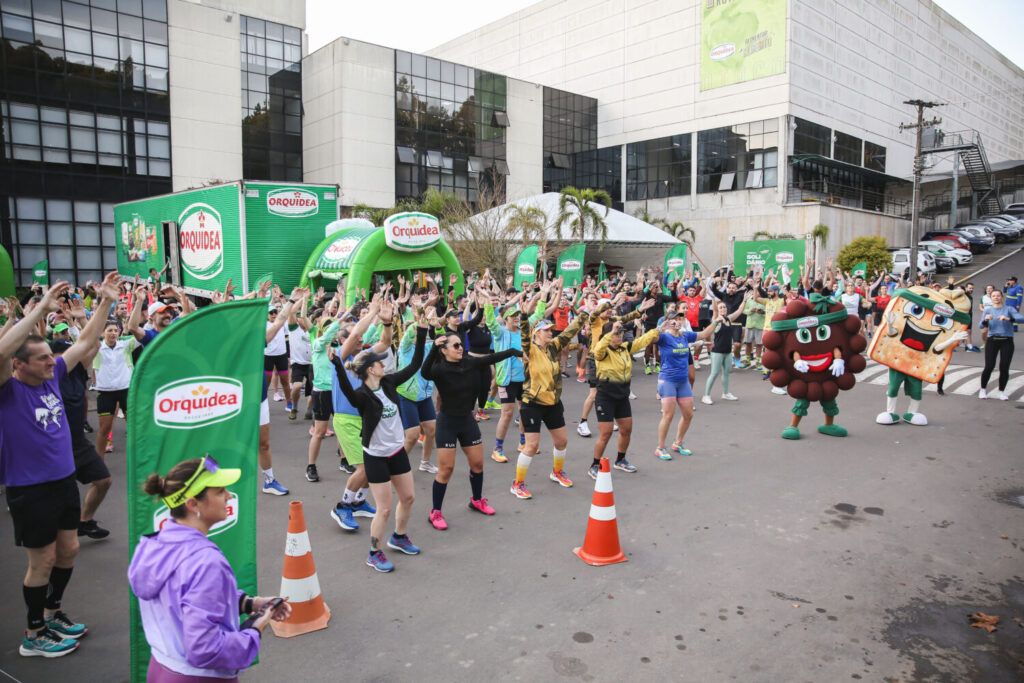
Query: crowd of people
[[413, 363]]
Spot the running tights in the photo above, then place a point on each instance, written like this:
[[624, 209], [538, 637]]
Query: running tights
[[1002, 347], [721, 363]]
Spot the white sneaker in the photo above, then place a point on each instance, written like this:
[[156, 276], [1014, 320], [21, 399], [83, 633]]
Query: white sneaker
[[729, 397], [706, 400], [1003, 396], [779, 391], [982, 394], [615, 427], [427, 466], [583, 429], [278, 396], [632, 396]]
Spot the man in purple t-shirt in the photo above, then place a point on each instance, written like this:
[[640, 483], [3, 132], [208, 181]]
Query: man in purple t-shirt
[[38, 467]]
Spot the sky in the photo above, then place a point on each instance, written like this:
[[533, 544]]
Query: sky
[[420, 26]]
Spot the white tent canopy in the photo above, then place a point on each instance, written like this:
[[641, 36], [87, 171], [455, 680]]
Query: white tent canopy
[[631, 244]]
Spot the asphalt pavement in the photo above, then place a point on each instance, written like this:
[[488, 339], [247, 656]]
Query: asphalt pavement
[[754, 559]]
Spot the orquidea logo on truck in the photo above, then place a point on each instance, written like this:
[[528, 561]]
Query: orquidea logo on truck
[[201, 241], [197, 402], [292, 202]]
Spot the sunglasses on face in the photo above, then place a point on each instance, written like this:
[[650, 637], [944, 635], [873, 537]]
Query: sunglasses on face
[[453, 345]]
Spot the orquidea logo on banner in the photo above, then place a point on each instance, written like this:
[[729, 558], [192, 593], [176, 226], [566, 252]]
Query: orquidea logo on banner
[[163, 515], [293, 202], [197, 402]]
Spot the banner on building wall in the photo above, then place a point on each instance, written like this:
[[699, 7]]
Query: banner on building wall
[[526, 267], [783, 257], [196, 391], [675, 263], [741, 40], [570, 265]]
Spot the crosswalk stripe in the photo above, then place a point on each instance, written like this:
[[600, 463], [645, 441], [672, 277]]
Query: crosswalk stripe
[[961, 380]]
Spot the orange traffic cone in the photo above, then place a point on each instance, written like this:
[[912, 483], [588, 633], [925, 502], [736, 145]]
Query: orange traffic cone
[[601, 544], [298, 581]]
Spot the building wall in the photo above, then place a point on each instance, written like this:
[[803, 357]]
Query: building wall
[[525, 139], [349, 123], [205, 84], [853, 64]]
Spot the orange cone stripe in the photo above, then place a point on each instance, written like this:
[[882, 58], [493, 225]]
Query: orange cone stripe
[[299, 567], [604, 500]]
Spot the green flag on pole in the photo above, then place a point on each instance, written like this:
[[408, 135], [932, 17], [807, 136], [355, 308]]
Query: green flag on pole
[[570, 265], [860, 269], [526, 267], [675, 262], [41, 273], [197, 390], [602, 272]]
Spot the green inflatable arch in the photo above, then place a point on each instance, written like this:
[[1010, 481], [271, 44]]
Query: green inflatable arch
[[357, 254], [6, 273]]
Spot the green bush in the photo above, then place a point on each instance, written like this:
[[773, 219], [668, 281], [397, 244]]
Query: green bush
[[869, 249]]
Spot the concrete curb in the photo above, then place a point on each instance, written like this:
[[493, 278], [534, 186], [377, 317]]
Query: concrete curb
[[994, 263]]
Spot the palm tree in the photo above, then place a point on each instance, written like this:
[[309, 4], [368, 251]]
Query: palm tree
[[820, 236], [679, 231], [575, 207], [531, 222], [375, 215]]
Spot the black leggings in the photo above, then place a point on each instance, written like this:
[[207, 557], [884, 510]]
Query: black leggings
[[484, 387], [1003, 347]]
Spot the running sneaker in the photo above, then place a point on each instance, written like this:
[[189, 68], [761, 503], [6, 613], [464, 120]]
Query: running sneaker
[[492, 404], [560, 477], [92, 530], [46, 643], [278, 396], [778, 391], [515, 421], [583, 429], [329, 432], [274, 488], [657, 367], [975, 349], [402, 544], [729, 397], [736, 364], [377, 560], [565, 374], [679, 448], [662, 454], [983, 394], [522, 441], [120, 414], [1003, 396], [482, 415], [308, 415], [293, 414], [345, 467], [64, 627], [519, 490], [289, 407], [593, 470], [109, 448], [480, 505], [632, 396], [437, 519], [342, 514], [706, 400], [647, 369], [422, 437], [363, 509], [615, 427], [311, 473], [624, 466], [498, 455], [311, 430], [580, 379], [427, 466], [88, 427]]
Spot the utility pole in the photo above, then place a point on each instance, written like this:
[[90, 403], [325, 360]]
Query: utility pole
[[918, 162]]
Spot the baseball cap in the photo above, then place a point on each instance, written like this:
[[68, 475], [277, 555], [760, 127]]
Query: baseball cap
[[543, 325], [510, 312], [774, 288], [1012, 277], [671, 315], [451, 312], [60, 345], [62, 327], [156, 307], [365, 359]]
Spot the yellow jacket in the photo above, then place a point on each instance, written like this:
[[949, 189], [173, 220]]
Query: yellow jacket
[[616, 365], [543, 385], [597, 323]]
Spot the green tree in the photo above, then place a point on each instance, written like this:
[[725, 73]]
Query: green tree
[[576, 208], [375, 215], [869, 249], [530, 222], [679, 231]]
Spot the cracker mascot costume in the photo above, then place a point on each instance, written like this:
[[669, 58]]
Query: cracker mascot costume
[[814, 350], [922, 327]]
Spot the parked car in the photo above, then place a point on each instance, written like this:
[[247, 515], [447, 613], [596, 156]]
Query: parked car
[[1009, 223], [960, 256], [1001, 233], [980, 240], [946, 236], [925, 262], [977, 243]]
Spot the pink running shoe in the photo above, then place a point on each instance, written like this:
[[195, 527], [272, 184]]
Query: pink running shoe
[[481, 506], [437, 519]]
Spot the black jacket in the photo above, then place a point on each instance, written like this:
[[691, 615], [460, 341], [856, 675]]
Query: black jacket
[[458, 383], [363, 399]]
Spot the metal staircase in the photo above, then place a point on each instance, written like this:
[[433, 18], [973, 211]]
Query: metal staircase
[[967, 144]]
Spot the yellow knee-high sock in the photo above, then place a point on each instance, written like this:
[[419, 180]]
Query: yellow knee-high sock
[[559, 459], [522, 464]]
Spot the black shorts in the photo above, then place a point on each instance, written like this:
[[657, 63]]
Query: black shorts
[[89, 466], [511, 393], [303, 373], [278, 363], [380, 470], [531, 415], [323, 405], [737, 333], [107, 402], [461, 429], [39, 511], [610, 409]]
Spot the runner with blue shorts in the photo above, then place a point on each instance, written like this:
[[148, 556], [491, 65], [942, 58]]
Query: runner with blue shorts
[[674, 382]]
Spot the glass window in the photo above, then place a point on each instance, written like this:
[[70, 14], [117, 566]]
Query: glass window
[[87, 212], [103, 20], [49, 35], [30, 209], [31, 232], [406, 155], [874, 157], [109, 142], [811, 139], [130, 7], [58, 210], [658, 168], [104, 45], [25, 133], [54, 135], [737, 157], [155, 9], [83, 139], [155, 31], [19, 7], [75, 15], [17, 28], [848, 149], [129, 26]]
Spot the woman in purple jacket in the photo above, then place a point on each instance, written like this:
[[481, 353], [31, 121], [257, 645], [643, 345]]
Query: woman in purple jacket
[[188, 596]]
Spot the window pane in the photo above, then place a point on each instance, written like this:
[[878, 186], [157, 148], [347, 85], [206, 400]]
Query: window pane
[[103, 20], [31, 232], [25, 133], [60, 233], [155, 9], [109, 142], [130, 6], [159, 128], [83, 139], [108, 122], [159, 168], [109, 253], [156, 55], [19, 6], [77, 40], [128, 26], [292, 35], [29, 255], [61, 257], [155, 31], [104, 45], [58, 210], [88, 257], [54, 135], [159, 148], [87, 212], [55, 156], [49, 35]]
